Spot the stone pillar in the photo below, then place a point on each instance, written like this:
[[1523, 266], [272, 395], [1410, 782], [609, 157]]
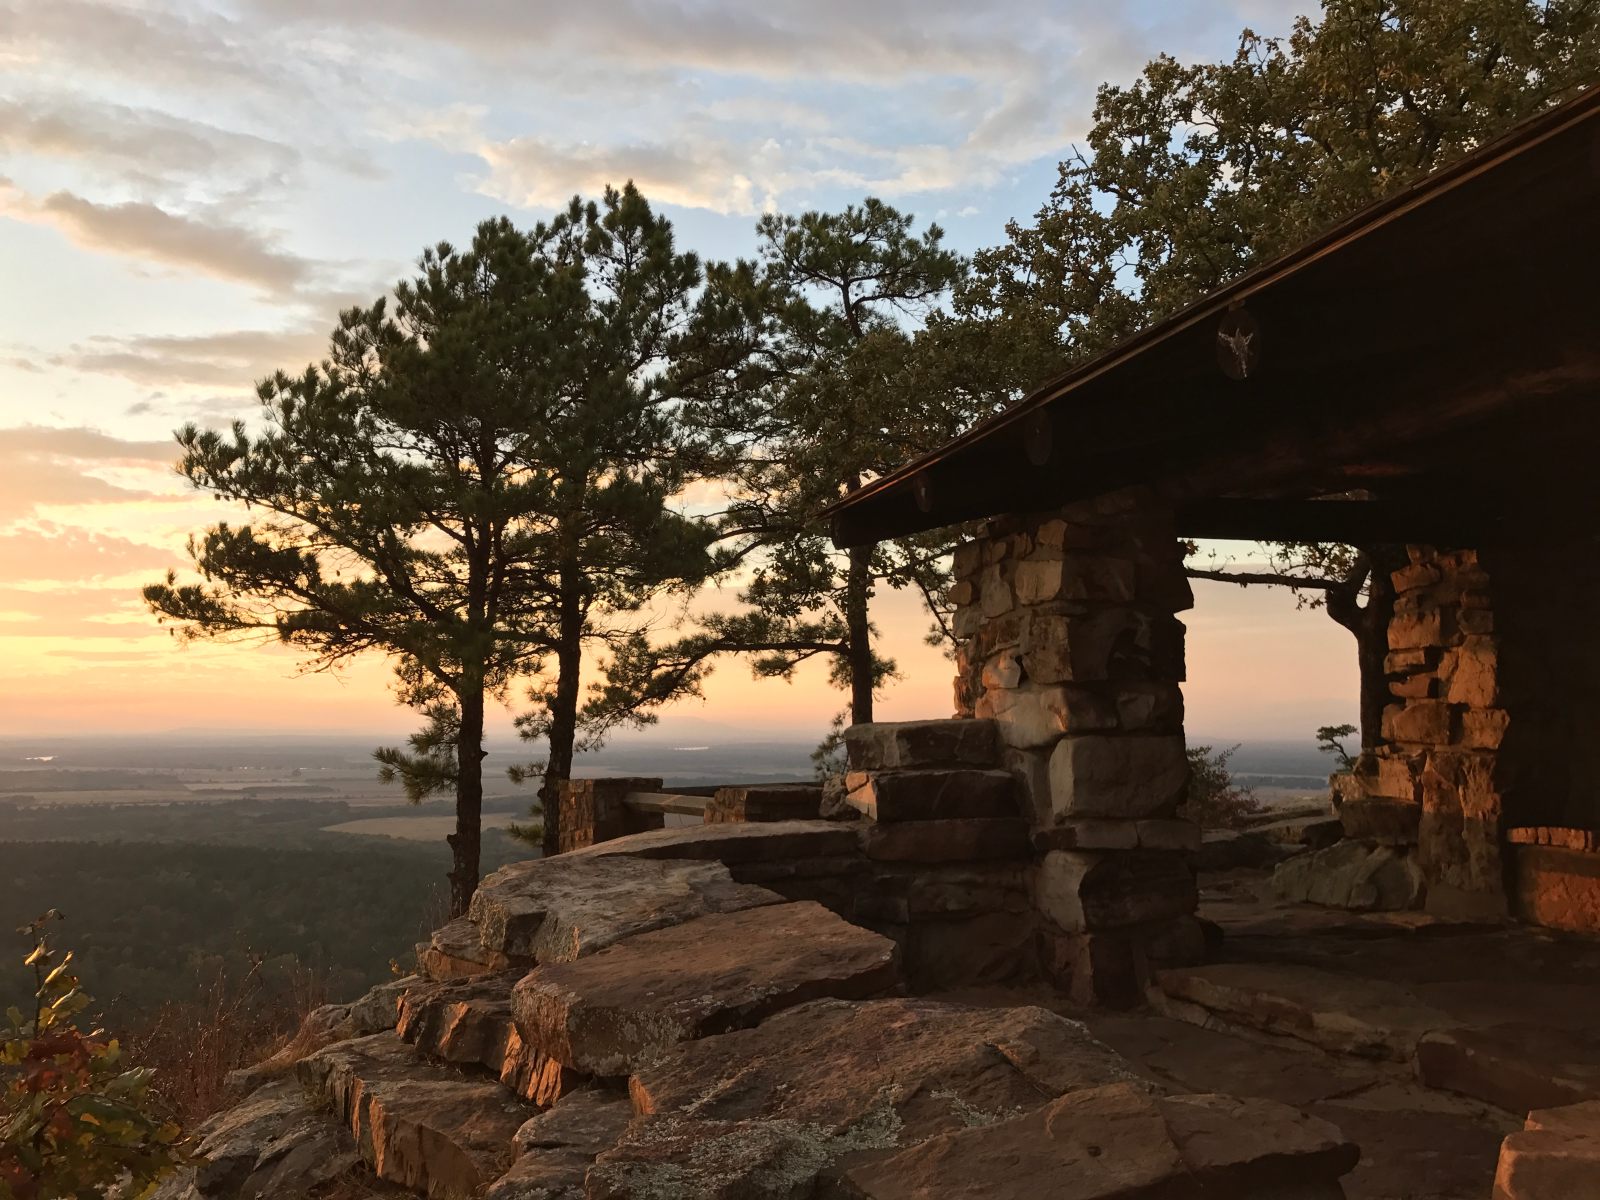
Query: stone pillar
[[1070, 645], [1431, 789], [592, 811]]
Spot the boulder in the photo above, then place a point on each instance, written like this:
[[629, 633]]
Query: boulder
[[1353, 875], [605, 1013], [932, 795], [763, 1112], [425, 1127], [555, 1149], [889, 746], [945, 841], [561, 908], [1228, 850], [1120, 1143]]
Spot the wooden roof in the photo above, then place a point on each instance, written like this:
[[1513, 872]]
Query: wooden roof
[[1438, 354]]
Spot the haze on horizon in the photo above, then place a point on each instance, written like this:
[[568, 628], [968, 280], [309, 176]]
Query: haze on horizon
[[191, 190]]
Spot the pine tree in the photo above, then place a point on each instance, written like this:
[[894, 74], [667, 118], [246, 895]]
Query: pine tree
[[464, 482], [827, 397]]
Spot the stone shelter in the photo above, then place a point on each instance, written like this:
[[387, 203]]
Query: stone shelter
[[1425, 374]]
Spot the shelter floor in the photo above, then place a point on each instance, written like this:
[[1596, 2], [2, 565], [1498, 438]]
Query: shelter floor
[[1425, 1042]]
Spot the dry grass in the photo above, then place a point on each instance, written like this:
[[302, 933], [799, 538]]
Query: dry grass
[[230, 1023]]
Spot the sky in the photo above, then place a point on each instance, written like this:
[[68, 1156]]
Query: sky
[[190, 191]]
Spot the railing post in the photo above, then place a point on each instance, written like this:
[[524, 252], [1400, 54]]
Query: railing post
[[593, 810]]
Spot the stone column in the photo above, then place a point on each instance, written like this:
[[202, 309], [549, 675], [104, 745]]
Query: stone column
[[592, 811], [1431, 789], [1071, 646]]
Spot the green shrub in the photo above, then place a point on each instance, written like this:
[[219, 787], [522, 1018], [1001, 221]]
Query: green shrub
[[75, 1120]]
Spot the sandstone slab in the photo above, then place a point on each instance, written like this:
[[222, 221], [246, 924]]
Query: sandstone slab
[[945, 841], [425, 1127], [1555, 1157], [1345, 1014], [902, 745], [276, 1143], [1517, 1067], [1120, 1143], [606, 1013], [763, 1112], [555, 1149], [456, 951], [931, 795], [731, 843], [561, 908], [374, 1012]]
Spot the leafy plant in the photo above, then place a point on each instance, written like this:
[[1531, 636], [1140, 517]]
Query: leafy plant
[[75, 1121], [1215, 799], [1329, 742]]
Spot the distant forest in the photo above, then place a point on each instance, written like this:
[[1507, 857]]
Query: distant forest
[[162, 900]]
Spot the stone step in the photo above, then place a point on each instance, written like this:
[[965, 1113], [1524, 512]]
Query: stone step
[[928, 795], [468, 1023], [436, 1130], [561, 908], [889, 746], [763, 1112], [556, 1148], [1119, 1143], [605, 1013], [1344, 1014]]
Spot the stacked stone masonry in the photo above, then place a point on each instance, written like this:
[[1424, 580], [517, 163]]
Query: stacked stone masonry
[[1069, 643], [1431, 791]]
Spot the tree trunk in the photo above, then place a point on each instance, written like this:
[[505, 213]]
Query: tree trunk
[[1369, 625], [858, 590], [563, 721], [466, 841]]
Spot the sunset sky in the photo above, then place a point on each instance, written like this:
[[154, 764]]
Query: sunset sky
[[190, 191]]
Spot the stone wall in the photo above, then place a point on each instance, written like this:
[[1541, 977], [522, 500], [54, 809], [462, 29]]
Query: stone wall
[[1433, 790], [592, 811], [1070, 645]]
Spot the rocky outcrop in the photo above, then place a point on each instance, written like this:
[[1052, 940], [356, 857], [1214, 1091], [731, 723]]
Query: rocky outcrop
[[372, 1013], [441, 1132], [556, 1148], [604, 1014], [277, 1143], [1120, 1143], [559, 909], [764, 1112]]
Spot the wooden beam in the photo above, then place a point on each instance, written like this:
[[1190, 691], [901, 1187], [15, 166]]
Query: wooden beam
[[1356, 522], [666, 802]]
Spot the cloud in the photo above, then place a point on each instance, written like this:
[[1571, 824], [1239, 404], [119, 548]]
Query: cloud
[[42, 466], [537, 173], [161, 48], [47, 552], [142, 140], [232, 358], [150, 233]]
